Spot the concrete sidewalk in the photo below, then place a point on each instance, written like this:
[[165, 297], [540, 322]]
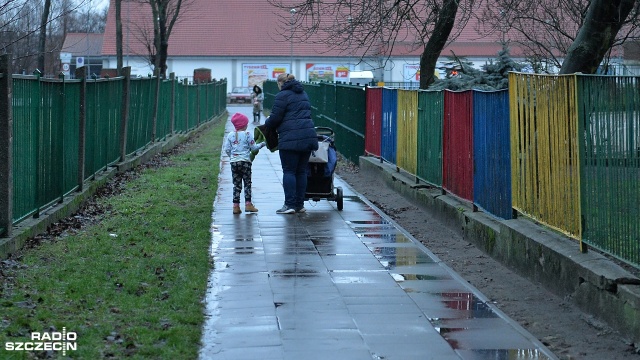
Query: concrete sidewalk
[[331, 284]]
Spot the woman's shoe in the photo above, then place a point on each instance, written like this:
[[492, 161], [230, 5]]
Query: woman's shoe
[[286, 210], [250, 208], [236, 209]]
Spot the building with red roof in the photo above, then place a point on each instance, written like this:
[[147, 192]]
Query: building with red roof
[[243, 41]]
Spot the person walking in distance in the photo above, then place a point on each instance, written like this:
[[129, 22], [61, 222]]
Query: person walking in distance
[[238, 145], [256, 99], [297, 138]]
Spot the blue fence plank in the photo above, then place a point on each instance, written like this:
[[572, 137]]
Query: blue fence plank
[[389, 141], [491, 148]]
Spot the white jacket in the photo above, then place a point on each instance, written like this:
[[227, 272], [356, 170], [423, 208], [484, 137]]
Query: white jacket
[[239, 144]]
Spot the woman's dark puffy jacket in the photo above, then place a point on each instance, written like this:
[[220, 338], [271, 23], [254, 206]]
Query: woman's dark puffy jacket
[[291, 116]]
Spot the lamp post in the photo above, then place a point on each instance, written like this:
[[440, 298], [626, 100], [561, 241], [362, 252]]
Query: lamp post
[[292, 12]]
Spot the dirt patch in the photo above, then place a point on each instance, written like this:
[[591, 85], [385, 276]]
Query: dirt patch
[[556, 322]]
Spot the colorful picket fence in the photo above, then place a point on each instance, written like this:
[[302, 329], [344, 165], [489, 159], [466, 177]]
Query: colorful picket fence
[[562, 150]]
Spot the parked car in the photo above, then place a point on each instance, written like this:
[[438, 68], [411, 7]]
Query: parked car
[[239, 95]]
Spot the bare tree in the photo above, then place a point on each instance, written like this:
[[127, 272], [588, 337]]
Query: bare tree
[[548, 31], [42, 40], [375, 29], [165, 15], [119, 36], [23, 23], [597, 35], [156, 30]]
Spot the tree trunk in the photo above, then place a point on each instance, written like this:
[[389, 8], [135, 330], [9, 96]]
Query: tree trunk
[[601, 24], [163, 50], [437, 41], [119, 36], [42, 41]]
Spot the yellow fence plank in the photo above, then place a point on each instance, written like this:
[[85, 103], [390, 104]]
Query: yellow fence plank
[[544, 150], [407, 157]]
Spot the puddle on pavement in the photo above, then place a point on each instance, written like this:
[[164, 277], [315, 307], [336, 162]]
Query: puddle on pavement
[[367, 222], [388, 238], [406, 277], [502, 354], [345, 278], [471, 306], [462, 338], [371, 227], [391, 257], [322, 240], [294, 273]]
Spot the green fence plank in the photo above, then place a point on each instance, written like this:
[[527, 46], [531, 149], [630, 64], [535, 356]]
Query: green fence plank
[[610, 120], [430, 122]]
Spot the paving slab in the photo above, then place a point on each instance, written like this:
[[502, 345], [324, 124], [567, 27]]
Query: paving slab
[[330, 284]]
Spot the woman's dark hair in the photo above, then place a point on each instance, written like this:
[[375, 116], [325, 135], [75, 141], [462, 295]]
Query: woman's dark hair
[[257, 89]]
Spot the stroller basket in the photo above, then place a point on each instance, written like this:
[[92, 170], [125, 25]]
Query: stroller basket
[[320, 172]]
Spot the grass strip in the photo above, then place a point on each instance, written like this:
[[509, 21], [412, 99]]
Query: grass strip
[[132, 284]]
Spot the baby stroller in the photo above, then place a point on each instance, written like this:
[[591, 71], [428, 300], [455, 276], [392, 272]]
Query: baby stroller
[[320, 170]]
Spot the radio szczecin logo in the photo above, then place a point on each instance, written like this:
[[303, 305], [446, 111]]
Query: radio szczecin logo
[[46, 341]]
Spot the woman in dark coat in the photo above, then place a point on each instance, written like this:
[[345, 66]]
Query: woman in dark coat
[[297, 138], [256, 99]]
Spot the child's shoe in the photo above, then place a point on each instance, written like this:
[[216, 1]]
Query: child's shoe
[[236, 209], [250, 208]]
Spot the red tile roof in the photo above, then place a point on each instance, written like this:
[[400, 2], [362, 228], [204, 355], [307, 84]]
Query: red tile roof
[[248, 28]]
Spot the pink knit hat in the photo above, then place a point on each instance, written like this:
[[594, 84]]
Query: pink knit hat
[[239, 120]]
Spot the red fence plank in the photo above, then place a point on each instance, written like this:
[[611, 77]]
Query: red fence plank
[[457, 166]]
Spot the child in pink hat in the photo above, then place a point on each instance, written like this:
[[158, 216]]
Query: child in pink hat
[[238, 145]]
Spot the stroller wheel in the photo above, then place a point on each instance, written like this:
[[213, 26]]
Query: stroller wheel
[[339, 202]]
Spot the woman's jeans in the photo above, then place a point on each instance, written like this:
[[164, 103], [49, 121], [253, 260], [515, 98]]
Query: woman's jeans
[[294, 177]]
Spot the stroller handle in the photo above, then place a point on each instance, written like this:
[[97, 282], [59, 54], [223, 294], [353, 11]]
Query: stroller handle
[[323, 130]]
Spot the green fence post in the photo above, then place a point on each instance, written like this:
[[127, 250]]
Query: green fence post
[[156, 100], [6, 146], [39, 196], [185, 83], [124, 116], [60, 149], [81, 73], [172, 115], [198, 86]]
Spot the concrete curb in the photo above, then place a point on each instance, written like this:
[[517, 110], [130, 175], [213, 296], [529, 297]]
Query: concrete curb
[[595, 284], [31, 227]]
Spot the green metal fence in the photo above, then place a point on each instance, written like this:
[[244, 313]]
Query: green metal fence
[[104, 103], [270, 89], [341, 107], [609, 113], [140, 110], [26, 96], [164, 110], [46, 146], [349, 120], [70, 140], [430, 122]]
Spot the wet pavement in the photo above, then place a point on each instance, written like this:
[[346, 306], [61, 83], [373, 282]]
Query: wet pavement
[[329, 284]]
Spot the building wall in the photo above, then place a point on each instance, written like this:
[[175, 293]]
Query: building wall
[[235, 70]]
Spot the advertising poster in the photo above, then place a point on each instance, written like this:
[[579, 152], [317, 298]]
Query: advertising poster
[[412, 73], [256, 74], [327, 72], [342, 73]]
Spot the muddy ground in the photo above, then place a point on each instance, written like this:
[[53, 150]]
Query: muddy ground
[[556, 322]]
